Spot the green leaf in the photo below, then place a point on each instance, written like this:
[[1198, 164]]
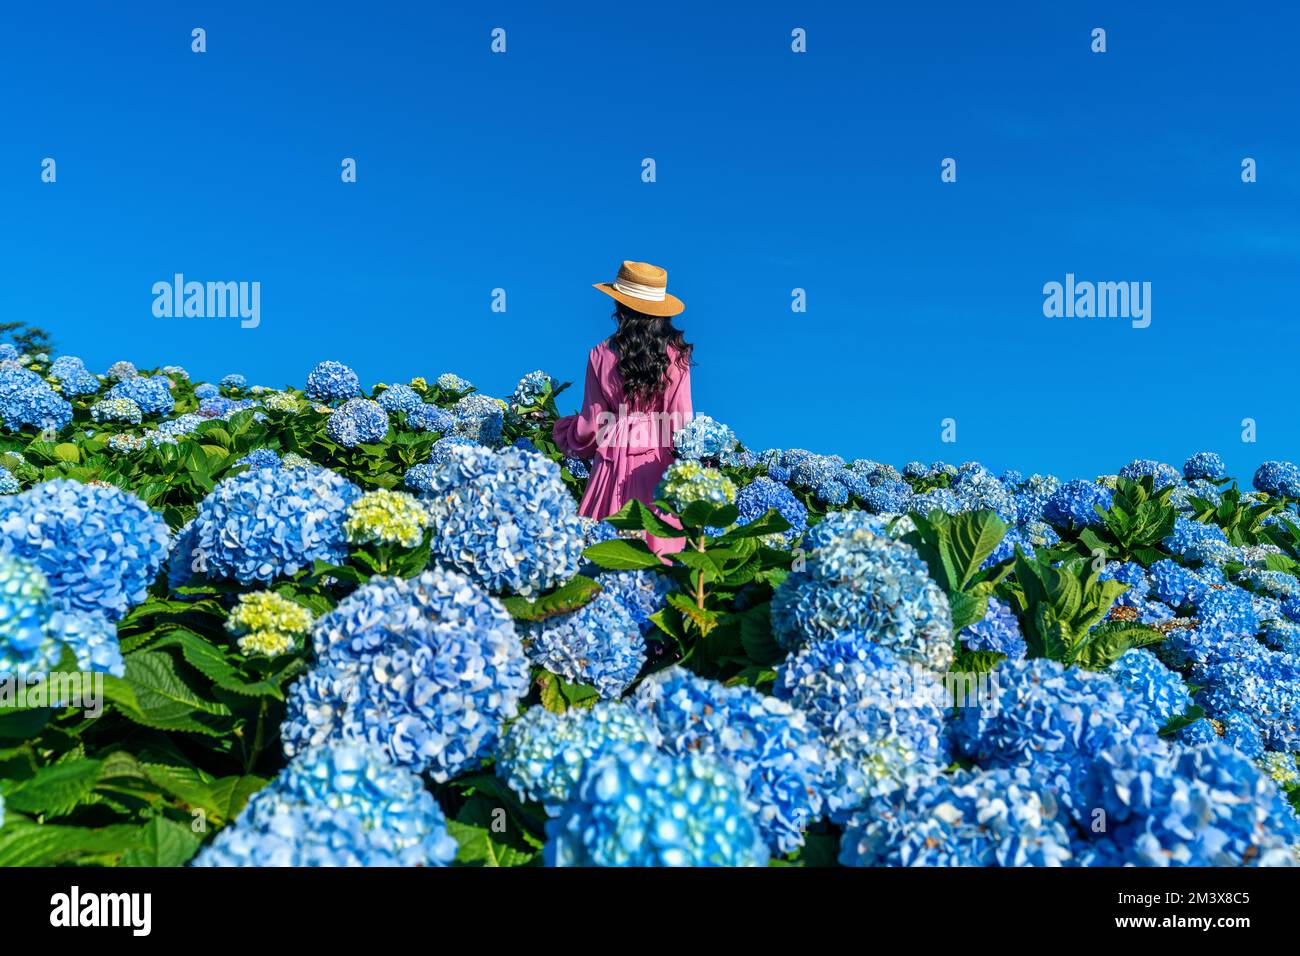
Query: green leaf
[[576, 593], [66, 451], [55, 790], [488, 836], [972, 537], [153, 693], [1108, 641], [635, 516], [704, 619], [622, 555], [26, 843], [757, 638], [1185, 719], [552, 697], [211, 661], [162, 842], [967, 608]]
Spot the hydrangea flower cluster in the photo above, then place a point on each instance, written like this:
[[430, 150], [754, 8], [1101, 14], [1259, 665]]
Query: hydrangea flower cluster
[[1194, 806], [1257, 689], [478, 418], [881, 720], [599, 644], [686, 482], [358, 421], [640, 593], [151, 394], [1196, 541], [97, 546], [997, 631], [1001, 817], [1278, 478], [386, 517], [340, 804], [1205, 465], [8, 483], [451, 382], [427, 669], [269, 522], [635, 806], [532, 389], [399, 398], [1162, 475], [859, 582], [763, 495], [704, 438], [121, 410], [281, 402], [1162, 691], [1055, 719], [542, 754], [332, 382], [233, 382], [504, 518], [121, 371], [430, 418], [977, 489], [268, 624], [27, 400], [1074, 504], [778, 757]]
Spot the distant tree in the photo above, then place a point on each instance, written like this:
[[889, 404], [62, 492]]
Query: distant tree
[[26, 338]]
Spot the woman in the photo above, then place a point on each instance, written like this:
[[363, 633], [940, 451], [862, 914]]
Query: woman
[[638, 395]]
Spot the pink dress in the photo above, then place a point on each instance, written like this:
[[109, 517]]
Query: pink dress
[[631, 442]]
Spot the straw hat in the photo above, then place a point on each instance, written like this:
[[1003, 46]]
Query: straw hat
[[643, 287]]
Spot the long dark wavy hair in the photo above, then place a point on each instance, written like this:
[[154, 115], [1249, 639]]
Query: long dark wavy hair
[[641, 346]]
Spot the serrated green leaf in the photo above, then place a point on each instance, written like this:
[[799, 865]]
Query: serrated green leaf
[[56, 790], [162, 842], [622, 555]]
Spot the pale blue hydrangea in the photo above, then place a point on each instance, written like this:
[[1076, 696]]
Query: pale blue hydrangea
[[332, 382], [859, 582], [399, 398], [98, 547], [28, 401], [703, 438], [763, 495], [266, 523], [1278, 478], [532, 389], [1160, 689], [1001, 817], [775, 753], [478, 418], [8, 483], [636, 806], [1162, 475], [151, 394], [997, 631], [339, 804], [505, 518], [358, 421], [430, 418], [121, 410], [1075, 503], [428, 669], [599, 645], [451, 382], [542, 755]]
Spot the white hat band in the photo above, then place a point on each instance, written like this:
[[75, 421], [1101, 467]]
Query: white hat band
[[650, 293]]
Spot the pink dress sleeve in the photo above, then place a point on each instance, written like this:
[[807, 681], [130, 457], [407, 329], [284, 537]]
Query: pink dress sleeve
[[677, 397], [575, 435]]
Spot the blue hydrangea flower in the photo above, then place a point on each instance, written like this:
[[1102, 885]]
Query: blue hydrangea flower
[[120, 371], [206, 390], [542, 755], [504, 518], [233, 381], [1278, 478], [1258, 687], [399, 398], [599, 644], [977, 489], [998, 631], [532, 389], [428, 669], [762, 495], [451, 382], [97, 546], [778, 757], [1074, 504], [268, 522], [430, 418], [92, 638], [338, 804], [358, 421], [704, 438], [1190, 806], [1164, 476], [151, 394], [635, 806], [578, 468], [478, 418], [890, 497], [332, 382], [1056, 719], [28, 401], [859, 582], [8, 483], [879, 718], [640, 593], [1206, 465], [65, 367], [260, 458], [1162, 691], [1194, 540], [1001, 817]]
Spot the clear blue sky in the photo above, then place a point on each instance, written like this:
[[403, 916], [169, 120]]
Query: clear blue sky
[[775, 171]]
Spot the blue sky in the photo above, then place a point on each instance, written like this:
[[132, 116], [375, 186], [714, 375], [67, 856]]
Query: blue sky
[[775, 171]]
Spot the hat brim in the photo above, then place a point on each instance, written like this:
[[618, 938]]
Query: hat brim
[[670, 305]]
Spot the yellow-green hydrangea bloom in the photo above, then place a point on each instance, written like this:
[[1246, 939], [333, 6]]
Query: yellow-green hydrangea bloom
[[268, 624], [386, 517]]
